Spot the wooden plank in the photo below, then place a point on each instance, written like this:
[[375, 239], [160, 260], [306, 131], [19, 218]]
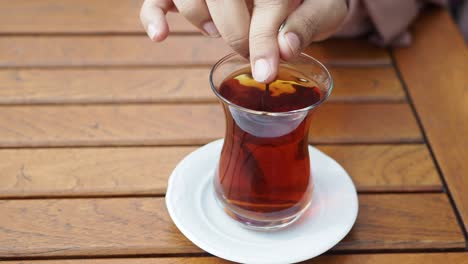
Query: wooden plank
[[123, 226], [349, 52], [124, 125], [346, 123], [43, 86], [435, 71], [84, 16], [408, 258], [87, 171], [387, 167], [55, 51], [142, 171], [34, 51], [381, 219], [366, 84]]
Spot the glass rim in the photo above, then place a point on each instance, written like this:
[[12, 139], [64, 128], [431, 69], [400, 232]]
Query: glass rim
[[244, 109]]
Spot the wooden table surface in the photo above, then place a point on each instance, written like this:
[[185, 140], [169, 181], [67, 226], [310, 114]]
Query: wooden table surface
[[93, 118]]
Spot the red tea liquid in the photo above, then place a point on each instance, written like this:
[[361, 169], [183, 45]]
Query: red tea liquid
[[264, 168]]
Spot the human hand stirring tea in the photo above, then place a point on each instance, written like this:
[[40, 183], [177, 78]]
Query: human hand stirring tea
[[263, 30]]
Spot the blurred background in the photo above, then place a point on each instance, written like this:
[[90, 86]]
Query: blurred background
[[105, 16], [459, 10]]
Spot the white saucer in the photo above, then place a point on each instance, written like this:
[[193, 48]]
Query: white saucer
[[192, 206]]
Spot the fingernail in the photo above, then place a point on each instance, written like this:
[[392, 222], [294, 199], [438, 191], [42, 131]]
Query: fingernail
[[211, 29], [262, 70], [293, 41], [152, 31]]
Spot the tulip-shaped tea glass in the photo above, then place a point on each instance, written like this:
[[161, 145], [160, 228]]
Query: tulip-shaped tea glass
[[263, 178]]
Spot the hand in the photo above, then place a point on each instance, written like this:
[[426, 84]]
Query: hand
[[251, 27]]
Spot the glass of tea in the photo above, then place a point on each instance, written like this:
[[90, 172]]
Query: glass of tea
[[263, 178]]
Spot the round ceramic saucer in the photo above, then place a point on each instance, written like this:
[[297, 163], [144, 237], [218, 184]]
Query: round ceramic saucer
[[191, 203]]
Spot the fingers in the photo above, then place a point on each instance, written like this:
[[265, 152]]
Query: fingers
[[267, 16], [153, 18], [232, 18], [312, 21], [293, 4], [196, 12]]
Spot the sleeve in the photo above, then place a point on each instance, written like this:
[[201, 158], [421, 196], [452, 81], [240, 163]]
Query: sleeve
[[385, 21]]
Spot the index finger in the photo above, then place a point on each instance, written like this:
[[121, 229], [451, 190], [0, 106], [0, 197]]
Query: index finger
[[153, 18], [267, 16]]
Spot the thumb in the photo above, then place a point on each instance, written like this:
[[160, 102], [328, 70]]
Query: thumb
[[313, 20]]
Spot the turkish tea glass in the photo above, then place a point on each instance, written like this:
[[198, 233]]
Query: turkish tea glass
[[263, 179]]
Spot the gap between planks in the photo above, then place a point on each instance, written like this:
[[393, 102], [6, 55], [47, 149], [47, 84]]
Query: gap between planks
[[449, 256]]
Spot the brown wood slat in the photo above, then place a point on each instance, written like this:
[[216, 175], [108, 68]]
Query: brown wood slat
[[441, 100], [427, 258], [108, 51], [141, 171], [387, 167], [43, 86], [382, 219], [39, 51], [111, 125], [84, 16], [348, 52], [350, 123], [122, 226], [366, 84]]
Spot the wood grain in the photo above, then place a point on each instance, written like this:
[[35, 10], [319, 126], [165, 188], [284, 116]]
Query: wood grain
[[366, 84], [427, 258], [403, 218], [123, 125], [64, 51], [143, 85], [142, 171], [350, 120], [387, 167], [87, 171], [123, 226], [441, 100], [348, 52], [84, 16], [108, 50]]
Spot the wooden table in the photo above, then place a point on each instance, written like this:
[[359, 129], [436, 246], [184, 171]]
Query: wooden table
[[93, 118]]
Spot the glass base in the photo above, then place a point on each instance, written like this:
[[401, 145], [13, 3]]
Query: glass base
[[261, 225], [264, 225]]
